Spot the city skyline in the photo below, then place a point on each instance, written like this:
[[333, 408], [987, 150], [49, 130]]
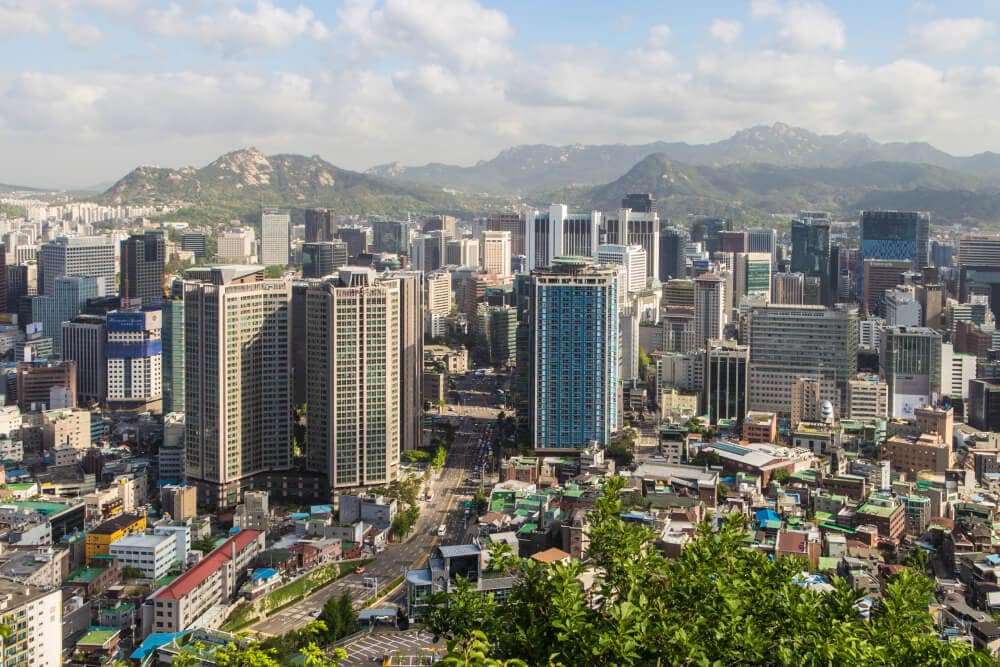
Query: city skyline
[[110, 85]]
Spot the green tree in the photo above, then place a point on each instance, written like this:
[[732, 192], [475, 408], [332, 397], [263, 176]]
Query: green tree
[[132, 572], [482, 502], [440, 456], [275, 271], [416, 456], [781, 476]]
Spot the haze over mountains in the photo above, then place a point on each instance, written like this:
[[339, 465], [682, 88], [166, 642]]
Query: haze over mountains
[[760, 170]]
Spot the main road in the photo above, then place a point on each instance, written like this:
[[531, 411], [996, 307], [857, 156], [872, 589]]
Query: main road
[[473, 415]]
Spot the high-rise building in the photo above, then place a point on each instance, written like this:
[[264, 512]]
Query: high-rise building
[[709, 307], [497, 252], [22, 280], [636, 227], [733, 241], [867, 398], [902, 308], [678, 293], [195, 242], [956, 371], [135, 360], [34, 616], [673, 263], [631, 258], [172, 362], [411, 356], [142, 259], [811, 252], [983, 407], [84, 339], [557, 232], [679, 333], [237, 245], [763, 240], [725, 380], [979, 268], [895, 235], [706, 231], [462, 252], [445, 224], [37, 379], [321, 225], [879, 275], [439, 297], [4, 303], [752, 274], [274, 226], [792, 342], [574, 351], [237, 388], [356, 239], [392, 236], [509, 222], [501, 336], [353, 379], [64, 301], [92, 256], [323, 258], [910, 362], [429, 251], [788, 289]]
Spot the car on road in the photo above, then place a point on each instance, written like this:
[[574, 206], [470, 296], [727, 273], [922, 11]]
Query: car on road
[[314, 613], [360, 569]]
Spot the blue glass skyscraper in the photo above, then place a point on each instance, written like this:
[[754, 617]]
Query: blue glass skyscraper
[[897, 235], [575, 352]]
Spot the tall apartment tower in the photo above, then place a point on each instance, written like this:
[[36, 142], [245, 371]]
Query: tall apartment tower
[[353, 381], [910, 362], [274, 225], [411, 356], [135, 360], [3, 279], [84, 341], [709, 307], [574, 342], [142, 259], [639, 226], [497, 253], [78, 256], [321, 225], [792, 342], [509, 222], [172, 361], [896, 235], [237, 388], [557, 232]]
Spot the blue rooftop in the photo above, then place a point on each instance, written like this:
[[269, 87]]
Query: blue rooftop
[[731, 448], [764, 516], [300, 515], [153, 642], [321, 509], [263, 573]]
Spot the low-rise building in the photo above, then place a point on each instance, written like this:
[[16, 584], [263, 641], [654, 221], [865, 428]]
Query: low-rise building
[[152, 554], [180, 501], [100, 539], [911, 454], [885, 513], [760, 427]]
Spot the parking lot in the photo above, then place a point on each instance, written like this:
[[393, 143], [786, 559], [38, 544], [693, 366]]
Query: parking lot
[[404, 648]]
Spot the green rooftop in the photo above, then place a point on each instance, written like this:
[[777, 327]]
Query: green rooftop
[[163, 581], [98, 637], [120, 609], [21, 486], [827, 563], [528, 528], [41, 506], [85, 575], [876, 510]]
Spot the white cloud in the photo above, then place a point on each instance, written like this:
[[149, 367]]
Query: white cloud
[[659, 36], [803, 26], [235, 31], [726, 32], [84, 36], [460, 33], [22, 17], [948, 35]]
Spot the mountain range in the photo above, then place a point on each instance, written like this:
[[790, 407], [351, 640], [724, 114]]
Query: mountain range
[[755, 173]]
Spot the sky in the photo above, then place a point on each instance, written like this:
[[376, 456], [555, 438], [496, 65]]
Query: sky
[[89, 89]]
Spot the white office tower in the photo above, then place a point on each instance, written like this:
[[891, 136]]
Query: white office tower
[[462, 252], [439, 298], [709, 307], [135, 360], [558, 232], [237, 361], [274, 226], [92, 256], [870, 333], [496, 253], [641, 228], [792, 342], [628, 328], [631, 258], [902, 308], [353, 378], [238, 245], [956, 371]]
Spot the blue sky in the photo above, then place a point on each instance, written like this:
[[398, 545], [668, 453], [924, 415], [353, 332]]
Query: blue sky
[[91, 88]]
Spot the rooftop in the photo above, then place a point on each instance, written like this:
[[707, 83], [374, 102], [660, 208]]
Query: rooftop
[[188, 581], [119, 523], [98, 636]]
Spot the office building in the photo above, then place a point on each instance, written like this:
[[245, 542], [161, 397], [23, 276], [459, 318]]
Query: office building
[[429, 251], [274, 227], [172, 361], [497, 253], [153, 555], [763, 240], [673, 263], [895, 235], [84, 339], [979, 268], [392, 236], [983, 407], [92, 256], [463, 252], [356, 239], [788, 289], [575, 355], [631, 258], [901, 307], [509, 222], [320, 225], [639, 227], [956, 371], [792, 342], [878, 276], [557, 232], [238, 245], [353, 379], [444, 224], [678, 293], [915, 454], [237, 388], [196, 243], [35, 618], [679, 331], [867, 398], [142, 259], [709, 307], [733, 241], [323, 258], [910, 362], [179, 501], [706, 232], [501, 337], [438, 294], [22, 280], [752, 274], [64, 301], [808, 396], [725, 380], [135, 361], [811, 252]]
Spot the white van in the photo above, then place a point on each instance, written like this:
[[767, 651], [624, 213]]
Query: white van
[[442, 529]]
